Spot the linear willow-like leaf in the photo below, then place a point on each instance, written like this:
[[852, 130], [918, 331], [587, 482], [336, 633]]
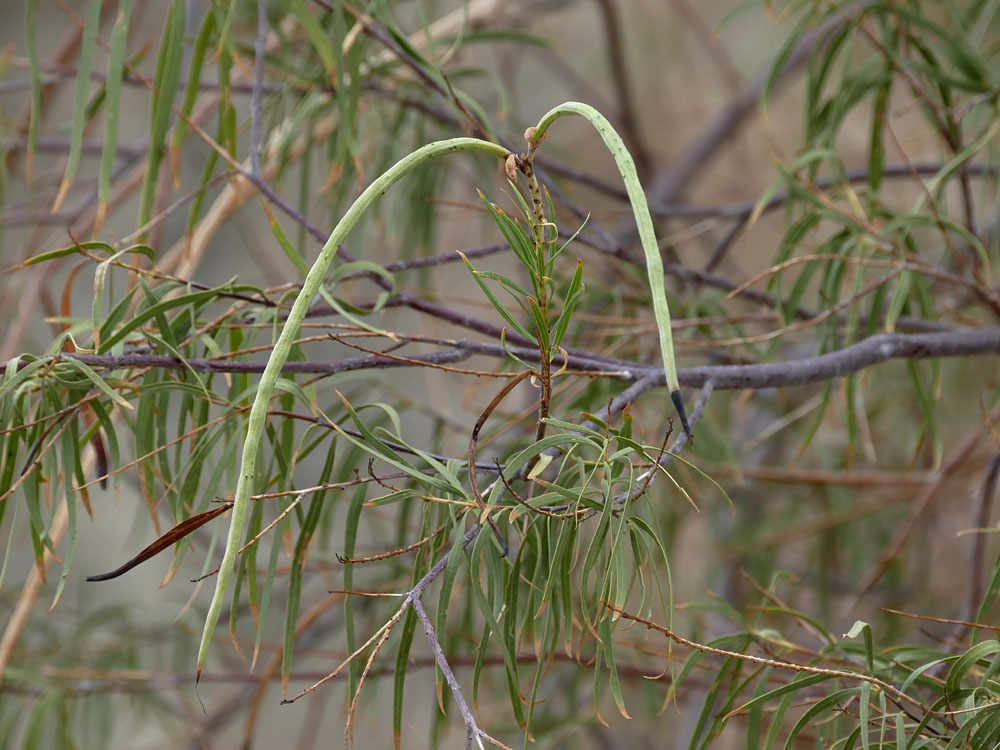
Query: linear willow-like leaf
[[497, 305], [864, 715], [38, 528], [489, 612], [98, 381], [511, 231], [925, 399], [108, 340], [351, 523], [863, 628], [168, 71], [576, 288], [200, 49], [964, 664], [291, 252], [112, 107], [647, 235], [407, 630], [295, 577], [316, 34], [833, 702], [279, 355], [755, 714], [800, 682], [85, 61], [70, 457], [16, 375], [713, 705], [31, 42]]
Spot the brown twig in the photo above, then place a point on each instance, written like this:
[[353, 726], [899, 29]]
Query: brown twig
[[522, 501], [944, 620], [895, 692], [392, 553], [474, 443]]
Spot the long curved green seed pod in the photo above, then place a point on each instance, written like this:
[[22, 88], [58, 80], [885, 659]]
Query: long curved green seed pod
[[644, 222], [258, 412]]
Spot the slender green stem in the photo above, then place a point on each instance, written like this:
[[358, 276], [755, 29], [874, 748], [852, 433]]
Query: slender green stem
[[542, 260], [313, 280], [538, 216], [644, 222]]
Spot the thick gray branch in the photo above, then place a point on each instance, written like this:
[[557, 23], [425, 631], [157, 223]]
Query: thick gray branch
[[871, 351], [960, 342]]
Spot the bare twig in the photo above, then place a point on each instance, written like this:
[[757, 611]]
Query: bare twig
[[647, 477], [408, 598], [893, 691], [484, 514], [871, 351], [472, 730], [392, 553], [125, 361]]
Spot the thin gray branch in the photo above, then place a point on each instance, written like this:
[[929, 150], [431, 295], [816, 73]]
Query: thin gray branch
[[126, 361], [472, 729], [667, 457], [617, 405], [630, 394]]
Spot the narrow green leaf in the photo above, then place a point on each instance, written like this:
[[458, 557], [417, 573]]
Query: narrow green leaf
[[517, 327], [199, 51], [576, 288], [964, 664], [31, 42], [861, 627], [832, 702], [109, 339], [168, 70], [112, 103], [315, 32], [85, 61], [290, 251]]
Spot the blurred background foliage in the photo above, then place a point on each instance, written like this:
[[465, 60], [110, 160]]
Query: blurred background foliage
[[818, 571]]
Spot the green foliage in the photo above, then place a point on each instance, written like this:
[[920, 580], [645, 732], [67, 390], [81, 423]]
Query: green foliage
[[522, 483]]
